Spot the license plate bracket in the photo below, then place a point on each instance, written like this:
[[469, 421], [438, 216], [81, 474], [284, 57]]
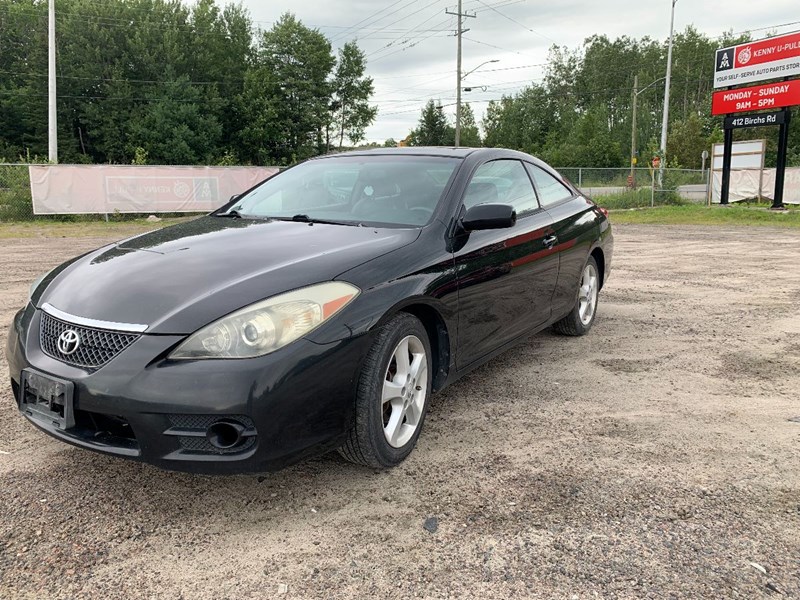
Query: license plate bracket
[[47, 398]]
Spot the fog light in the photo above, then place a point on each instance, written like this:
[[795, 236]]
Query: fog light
[[225, 434]]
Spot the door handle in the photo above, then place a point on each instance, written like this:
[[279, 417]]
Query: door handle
[[550, 241]]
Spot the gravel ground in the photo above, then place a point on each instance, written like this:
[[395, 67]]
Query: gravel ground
[[653, 458]]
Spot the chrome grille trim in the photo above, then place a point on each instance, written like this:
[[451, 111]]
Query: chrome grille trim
[[92, 323], [97, 346]]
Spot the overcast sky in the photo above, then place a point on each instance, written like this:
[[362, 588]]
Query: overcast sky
[[412, 52]]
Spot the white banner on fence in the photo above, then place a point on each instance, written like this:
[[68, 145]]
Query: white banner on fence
[[104, 189], [746, 183]]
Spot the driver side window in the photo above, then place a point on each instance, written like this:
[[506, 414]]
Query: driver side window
[[502, 182]]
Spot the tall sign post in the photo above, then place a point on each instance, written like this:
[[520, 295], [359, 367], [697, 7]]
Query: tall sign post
[[783, 148], [769, 59]]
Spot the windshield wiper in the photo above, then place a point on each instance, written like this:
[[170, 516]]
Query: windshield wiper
[[306, 219], [231, 214]]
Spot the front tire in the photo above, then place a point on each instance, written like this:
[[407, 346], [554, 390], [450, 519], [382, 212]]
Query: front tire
[[392, 395], [580, 319]]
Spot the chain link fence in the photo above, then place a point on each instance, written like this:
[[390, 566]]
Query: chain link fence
[[612, 188], [640, 187], [15, 193]]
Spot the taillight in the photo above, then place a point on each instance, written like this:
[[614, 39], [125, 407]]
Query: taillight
[[603, 210]]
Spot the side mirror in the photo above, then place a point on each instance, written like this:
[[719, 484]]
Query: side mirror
[[489, 216]]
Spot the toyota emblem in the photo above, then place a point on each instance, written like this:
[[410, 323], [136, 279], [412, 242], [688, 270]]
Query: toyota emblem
[[68, 342]]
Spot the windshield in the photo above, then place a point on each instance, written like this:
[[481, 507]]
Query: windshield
[[388, 190]]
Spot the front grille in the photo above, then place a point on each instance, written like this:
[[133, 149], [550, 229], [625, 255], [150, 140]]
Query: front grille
[[96, 348]]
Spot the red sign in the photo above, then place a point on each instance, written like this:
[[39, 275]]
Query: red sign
[[757, 97], [768, 50], [769, 58]]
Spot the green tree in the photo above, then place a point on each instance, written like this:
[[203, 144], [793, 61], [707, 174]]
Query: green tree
[[589, 143], [117, 61], [687, 139], [23, 95], [352, 91], [220, 51], [433, 129], [522, 122], [284, 107], [175, 129], [470, 136]]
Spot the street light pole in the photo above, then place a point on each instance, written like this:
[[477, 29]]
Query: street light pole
[[634, 103], [633, 132], [458, 98], [486, 62], [665, 114], [52, 128]]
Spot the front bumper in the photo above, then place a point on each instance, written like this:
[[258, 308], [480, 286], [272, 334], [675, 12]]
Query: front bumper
[[293, 403]]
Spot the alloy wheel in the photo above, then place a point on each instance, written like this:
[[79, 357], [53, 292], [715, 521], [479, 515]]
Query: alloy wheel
[[405, 387], [587, 294]]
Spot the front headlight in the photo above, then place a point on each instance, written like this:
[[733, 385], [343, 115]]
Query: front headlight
[[265, 326]]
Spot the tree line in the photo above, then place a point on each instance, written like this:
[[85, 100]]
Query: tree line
[[162, 82], [579, 114]]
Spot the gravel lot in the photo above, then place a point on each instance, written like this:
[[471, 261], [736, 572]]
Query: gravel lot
[[654, 458]]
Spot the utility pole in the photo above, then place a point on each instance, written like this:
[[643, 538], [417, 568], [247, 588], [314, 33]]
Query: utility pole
[[665, 114], [459, 31], [633, 131], [634, 103], [52, 129]]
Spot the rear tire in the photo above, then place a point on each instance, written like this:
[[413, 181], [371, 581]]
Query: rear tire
[[392, 395], [580, 319]]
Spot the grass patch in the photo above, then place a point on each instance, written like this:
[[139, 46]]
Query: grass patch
[[694, 214], [33, 229], [639, 198]]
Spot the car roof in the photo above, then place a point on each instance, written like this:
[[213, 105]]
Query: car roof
[[445, 151]]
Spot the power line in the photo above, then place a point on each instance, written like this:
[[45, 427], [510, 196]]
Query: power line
[[403, 19], [513, 20], [305, 82], [406, 39], [532, 66], [16, 94], [544, 93], [127, 22], [501, 4], [473, 40], [126, 80], [408, 47], [355, 27]]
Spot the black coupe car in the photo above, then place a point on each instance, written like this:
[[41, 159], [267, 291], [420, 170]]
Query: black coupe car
[[316, 311]]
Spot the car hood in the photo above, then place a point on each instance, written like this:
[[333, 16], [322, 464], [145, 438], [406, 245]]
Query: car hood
[[180, 278]]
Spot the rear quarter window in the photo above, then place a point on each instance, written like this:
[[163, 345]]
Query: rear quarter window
[[551, 190]]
